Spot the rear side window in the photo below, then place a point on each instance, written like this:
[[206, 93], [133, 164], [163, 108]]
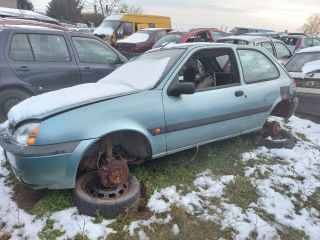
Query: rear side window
[[308, 42], [316, 42], [256, 66], [49, 48], [20, 49], [92, 51]]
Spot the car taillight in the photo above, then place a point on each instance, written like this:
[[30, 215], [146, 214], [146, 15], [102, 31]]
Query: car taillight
[[135, 49], [298, 44], [294, 83]]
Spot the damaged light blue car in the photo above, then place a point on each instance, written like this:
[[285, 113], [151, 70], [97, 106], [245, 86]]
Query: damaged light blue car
[[167, 100]]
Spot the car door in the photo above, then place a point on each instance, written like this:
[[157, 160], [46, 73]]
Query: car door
[[262, 79], [44, 60], [268, 46], [214, 111], [95, 59], [282, 52]]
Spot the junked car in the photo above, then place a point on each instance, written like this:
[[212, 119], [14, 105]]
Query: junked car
[[165, 101], [191, 35], [304, 67], [300, 41], [276, 47], [140, 41]]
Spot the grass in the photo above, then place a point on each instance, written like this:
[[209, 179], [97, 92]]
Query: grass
[[190, 227], [52, 202], [241, 192], [48, 233]]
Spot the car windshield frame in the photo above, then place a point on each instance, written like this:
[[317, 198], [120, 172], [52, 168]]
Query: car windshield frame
[[293, 66], [171, 63]]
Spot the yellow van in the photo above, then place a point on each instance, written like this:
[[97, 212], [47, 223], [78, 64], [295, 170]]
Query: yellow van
[[116, 27]]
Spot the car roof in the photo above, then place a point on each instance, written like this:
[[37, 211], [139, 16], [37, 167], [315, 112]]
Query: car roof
[[24, 23], [248, 38], [199, 45], [310, 49], [191, 30], [49, 31]]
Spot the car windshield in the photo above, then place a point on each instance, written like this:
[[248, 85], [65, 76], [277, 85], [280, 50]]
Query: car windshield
[[110, 24], [175, 38], [145, 71], [300, 59]]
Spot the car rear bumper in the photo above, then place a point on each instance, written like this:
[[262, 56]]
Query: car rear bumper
[[49, 166]]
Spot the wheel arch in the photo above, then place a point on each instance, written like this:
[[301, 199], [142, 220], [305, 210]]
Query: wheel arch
[[134, 141], [282, 108], [18, 87]]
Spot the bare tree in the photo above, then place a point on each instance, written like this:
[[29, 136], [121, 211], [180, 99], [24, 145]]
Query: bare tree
[[132, 9], [105, 7], [312, 26]]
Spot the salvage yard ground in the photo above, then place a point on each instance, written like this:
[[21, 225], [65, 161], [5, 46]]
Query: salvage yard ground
[[234, 189]]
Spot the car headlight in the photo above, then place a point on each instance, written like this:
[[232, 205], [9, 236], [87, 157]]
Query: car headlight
[[26, 134]]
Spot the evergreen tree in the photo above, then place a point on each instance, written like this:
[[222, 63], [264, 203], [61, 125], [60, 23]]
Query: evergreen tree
[[25, 5], [67, 10]]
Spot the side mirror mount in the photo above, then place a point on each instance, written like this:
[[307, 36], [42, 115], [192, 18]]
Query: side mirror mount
[[178, 89]]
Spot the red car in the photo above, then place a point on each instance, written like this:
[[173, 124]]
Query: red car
[[193, 35], [140, 41], [22, 23]]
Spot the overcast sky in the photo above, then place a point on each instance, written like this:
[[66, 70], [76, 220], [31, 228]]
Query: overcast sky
[[272, 14]]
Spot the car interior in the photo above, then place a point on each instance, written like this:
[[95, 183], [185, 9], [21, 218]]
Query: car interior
[[210, 69]]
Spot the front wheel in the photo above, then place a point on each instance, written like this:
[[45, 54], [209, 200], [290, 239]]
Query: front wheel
[[9, 98], [91, 197]]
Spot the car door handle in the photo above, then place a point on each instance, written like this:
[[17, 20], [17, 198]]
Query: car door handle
[[239, 93], [23, 69], [88, 69]]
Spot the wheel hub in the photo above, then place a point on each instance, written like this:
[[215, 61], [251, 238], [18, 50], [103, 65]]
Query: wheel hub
[[113, 173]]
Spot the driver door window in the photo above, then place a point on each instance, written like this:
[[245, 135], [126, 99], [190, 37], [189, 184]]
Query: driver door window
[[210, 69]]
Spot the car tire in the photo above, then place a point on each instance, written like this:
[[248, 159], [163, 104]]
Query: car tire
[[9, 98], [287, 140], [110, 208]]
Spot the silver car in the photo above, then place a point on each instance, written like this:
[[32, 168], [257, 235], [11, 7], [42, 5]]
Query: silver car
[[277, 48], [298, 42]]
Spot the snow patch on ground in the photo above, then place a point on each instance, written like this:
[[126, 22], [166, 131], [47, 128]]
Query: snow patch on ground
[[21, 225]]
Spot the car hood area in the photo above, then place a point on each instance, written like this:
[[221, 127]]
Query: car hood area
[[132, 77]]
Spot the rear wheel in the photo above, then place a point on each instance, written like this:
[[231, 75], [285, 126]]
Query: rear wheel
[[91, 197], [9, 98], [273, 136]]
